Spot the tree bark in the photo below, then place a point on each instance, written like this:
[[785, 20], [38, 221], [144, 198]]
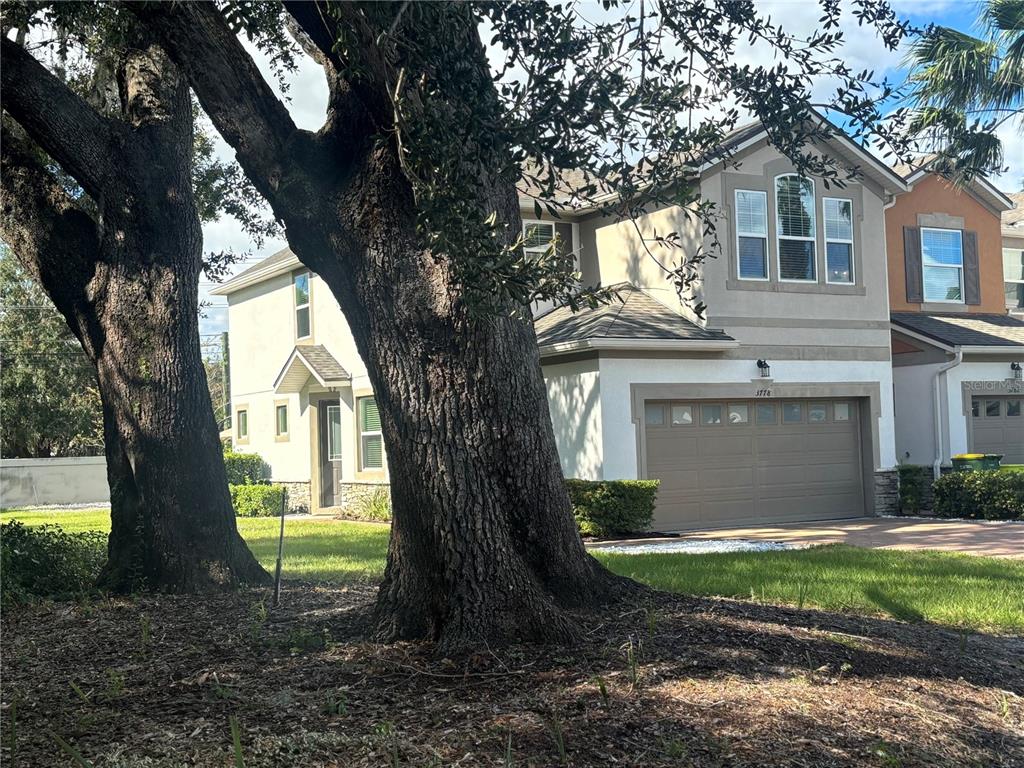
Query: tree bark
[[484, 549], [125, 277]]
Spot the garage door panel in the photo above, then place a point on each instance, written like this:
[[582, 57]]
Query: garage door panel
[[726, 474], [1002, 431]]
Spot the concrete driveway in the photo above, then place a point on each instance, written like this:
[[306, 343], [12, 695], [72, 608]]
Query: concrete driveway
[[996, 539]]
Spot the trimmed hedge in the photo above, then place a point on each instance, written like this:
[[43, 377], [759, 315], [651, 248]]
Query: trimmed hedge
[[257, 500], [915, 483], [612, 507], [988, 495], [244, 468]]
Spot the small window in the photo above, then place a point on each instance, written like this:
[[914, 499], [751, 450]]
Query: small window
[[302, 305], [739, 413], [795, 217], [993, 408], [1013, 407], [242, 424], [537, 237], [817, 413], [682, 415], [838, 240], [333, 432], [975, 409], [792, 413], [281, 422], [711, 414], [654, 414], [371, 439], [942, 264], [752, 234], [841, 412], [766, 413], [1013, 278]]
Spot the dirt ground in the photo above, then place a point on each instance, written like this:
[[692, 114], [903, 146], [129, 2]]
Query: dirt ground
[[155, 681]]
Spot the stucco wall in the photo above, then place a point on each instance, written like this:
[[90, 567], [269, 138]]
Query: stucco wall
[[71, 480], [915, 413], [574, 398], [934, 195]]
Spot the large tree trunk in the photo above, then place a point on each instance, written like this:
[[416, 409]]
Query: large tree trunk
[[125, 277]]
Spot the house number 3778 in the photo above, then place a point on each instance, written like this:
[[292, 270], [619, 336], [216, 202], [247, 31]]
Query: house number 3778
[[763, 393]]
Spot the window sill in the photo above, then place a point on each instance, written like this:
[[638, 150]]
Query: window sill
[[836, 289]]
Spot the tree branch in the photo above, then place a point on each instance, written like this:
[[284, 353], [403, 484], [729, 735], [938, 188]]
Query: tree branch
[[57, 119], [230, 88]]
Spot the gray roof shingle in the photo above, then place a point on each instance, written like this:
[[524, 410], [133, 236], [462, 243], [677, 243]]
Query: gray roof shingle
[[965, 330], [323, 362], [636, 316]]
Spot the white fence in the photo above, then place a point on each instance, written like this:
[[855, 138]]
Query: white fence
[[71, 480]]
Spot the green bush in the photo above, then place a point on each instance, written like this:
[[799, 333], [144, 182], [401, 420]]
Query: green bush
[[375, 505], [244, 468], [47, 561], [915, 480], [612, 507], [261, 500], [988, 495]]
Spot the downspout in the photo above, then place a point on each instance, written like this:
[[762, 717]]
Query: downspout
[[940, 374]]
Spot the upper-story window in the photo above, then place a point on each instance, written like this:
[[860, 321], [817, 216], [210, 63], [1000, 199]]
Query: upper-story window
[[794, 210], [301, 282], [537, 237], [1013, 278], [752, 234], [838, 239], [942, 263]]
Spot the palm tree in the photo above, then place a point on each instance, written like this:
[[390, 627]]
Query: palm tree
[[964, 88]]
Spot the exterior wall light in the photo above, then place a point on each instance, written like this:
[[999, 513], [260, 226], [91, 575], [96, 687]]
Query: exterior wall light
[[1015, 370], [766, 370]]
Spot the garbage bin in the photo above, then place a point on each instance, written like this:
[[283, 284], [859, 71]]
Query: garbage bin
[[968, 462], [991, 461]]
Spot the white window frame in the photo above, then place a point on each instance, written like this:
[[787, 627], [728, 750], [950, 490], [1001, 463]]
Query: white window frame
[[1006, 281], [779, 237], [960, 269], [363, 435], [307, 306], [824, 231], [333, 451], [739, 234], [537, 222]]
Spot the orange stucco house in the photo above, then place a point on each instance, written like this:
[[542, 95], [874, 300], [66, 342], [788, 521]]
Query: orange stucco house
[[956, 351]]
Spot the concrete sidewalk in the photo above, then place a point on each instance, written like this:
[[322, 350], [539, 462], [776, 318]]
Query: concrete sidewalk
[[975, 537]]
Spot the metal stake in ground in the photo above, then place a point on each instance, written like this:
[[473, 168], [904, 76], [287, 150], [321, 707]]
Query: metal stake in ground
[[280, 550]]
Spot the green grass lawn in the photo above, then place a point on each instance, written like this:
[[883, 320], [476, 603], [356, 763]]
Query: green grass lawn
[[959, 590]]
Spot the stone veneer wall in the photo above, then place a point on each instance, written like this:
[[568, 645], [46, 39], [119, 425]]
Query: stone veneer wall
[[887, 492], [298, 496], [351, 493]]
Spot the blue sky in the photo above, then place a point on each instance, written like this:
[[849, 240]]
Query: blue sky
[[308, 98]]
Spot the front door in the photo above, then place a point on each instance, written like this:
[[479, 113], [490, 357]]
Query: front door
[[329, 414]]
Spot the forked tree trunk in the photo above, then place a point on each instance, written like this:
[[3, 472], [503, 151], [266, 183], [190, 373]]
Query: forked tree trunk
[[125, 277]]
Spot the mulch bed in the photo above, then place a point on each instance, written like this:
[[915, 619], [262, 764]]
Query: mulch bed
[[153, 681]]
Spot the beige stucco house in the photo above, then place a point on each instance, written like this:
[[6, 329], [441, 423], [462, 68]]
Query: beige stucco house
[[775, 404]]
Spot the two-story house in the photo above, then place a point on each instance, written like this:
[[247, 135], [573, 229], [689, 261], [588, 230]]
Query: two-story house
[[956, 351], [775, 405]]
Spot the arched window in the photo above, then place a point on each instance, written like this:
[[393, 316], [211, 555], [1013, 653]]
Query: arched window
[[794, 211]]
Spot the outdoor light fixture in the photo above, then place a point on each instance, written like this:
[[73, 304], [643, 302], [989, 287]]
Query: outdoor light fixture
[[1015, 370], [766, 370]]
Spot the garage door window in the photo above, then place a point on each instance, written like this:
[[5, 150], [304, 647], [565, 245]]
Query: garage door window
[[975, 409], [739, 413], [711, 414], [682, 415], [792, 413], [993, 408], [654, 415], [841, 411], [1013, 407], [766, 413], [817, 413]]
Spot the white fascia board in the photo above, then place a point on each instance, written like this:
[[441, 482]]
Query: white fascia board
[[681, 345], [237, 284], [1007, 349]]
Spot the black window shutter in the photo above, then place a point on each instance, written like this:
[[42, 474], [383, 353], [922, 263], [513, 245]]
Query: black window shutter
[[972, 280], [912, 264]]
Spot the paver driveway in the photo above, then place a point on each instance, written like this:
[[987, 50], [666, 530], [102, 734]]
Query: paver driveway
[[996, 539]]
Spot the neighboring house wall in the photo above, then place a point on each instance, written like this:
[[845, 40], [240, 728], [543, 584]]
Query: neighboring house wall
[[574, 397], [934, 202], [70, 480]]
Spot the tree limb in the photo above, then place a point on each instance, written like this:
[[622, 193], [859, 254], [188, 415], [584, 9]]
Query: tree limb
[[57, 119]]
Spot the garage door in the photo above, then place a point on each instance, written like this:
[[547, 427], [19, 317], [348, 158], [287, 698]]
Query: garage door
[[740, 462], [998, 426]]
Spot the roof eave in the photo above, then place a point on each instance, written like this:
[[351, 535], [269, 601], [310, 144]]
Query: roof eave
[[967, 349], [639, 345], [236, 284]]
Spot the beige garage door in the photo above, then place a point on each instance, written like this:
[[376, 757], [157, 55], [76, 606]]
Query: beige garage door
[[998, 426], [757, 461]]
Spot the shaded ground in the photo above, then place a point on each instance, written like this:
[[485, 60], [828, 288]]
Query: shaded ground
[[679, 682]]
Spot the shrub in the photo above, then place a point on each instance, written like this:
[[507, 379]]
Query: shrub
[[612, 507], [244, 468], [375, 505], [263, 500], [915, 481], [989, 495], [47, 561]]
